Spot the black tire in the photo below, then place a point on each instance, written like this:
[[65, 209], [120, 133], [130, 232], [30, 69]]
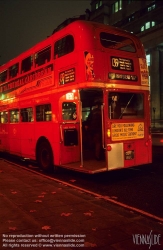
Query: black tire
[[45, 156]]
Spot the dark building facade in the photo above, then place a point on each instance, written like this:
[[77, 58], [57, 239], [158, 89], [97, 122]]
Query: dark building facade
[[144, 19]]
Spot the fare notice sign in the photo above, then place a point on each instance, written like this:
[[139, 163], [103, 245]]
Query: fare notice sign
[[127, 131]]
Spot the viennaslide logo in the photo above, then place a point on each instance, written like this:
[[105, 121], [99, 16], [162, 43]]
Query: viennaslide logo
[[147, 239]]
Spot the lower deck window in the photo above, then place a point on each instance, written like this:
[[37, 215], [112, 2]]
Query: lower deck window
[[4, 117], [126, 105], [43, 113], [26, 115], [14, 115], [69, 111]]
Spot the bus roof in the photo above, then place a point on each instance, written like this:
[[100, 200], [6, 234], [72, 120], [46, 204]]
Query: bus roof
[[58, 33]]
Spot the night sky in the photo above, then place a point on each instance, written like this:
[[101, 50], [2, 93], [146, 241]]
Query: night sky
[[23, 23]]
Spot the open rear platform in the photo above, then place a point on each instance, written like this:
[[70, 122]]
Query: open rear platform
[[89, 166]]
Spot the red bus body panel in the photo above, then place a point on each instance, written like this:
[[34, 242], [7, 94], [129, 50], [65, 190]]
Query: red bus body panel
[[58, 84]]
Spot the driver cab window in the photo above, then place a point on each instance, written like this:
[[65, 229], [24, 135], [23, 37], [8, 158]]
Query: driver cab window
[[69, 111]]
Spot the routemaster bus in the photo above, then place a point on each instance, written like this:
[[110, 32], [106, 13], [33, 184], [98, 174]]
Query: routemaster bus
[[48, 92]]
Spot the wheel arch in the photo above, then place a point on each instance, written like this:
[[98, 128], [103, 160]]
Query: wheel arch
[[39, 141]]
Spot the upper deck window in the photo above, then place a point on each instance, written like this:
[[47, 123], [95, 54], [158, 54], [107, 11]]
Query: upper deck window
[[13, 70], [112, 41], [3, 76], [64, 46], [43, 56], [27, 64]]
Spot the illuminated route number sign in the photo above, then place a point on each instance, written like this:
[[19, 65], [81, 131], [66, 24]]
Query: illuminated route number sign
[[122, 63]]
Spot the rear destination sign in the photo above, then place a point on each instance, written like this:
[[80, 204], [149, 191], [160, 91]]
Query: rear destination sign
[[120, 63], [126, 131]]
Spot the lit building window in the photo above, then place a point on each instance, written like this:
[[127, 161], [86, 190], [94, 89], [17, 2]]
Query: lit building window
[[117, 6], [131, 18], [98, 4], [142, 28], [151, 7], [148, 57], [148, 25], [120, 4]]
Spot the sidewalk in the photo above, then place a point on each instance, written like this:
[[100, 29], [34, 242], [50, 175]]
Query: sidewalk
[[40, 213]]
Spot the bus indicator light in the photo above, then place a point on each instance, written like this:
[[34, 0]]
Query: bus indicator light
[[108, 133]]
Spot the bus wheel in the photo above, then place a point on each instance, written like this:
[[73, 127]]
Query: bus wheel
[[45, 156]]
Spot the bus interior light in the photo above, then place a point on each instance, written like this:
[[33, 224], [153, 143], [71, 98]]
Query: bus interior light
[[9, 99], [70, 96]]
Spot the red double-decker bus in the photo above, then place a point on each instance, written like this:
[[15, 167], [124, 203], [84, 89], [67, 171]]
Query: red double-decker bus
[[49, 93]]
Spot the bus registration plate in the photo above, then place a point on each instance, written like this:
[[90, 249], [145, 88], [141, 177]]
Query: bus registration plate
[[129, 155]]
